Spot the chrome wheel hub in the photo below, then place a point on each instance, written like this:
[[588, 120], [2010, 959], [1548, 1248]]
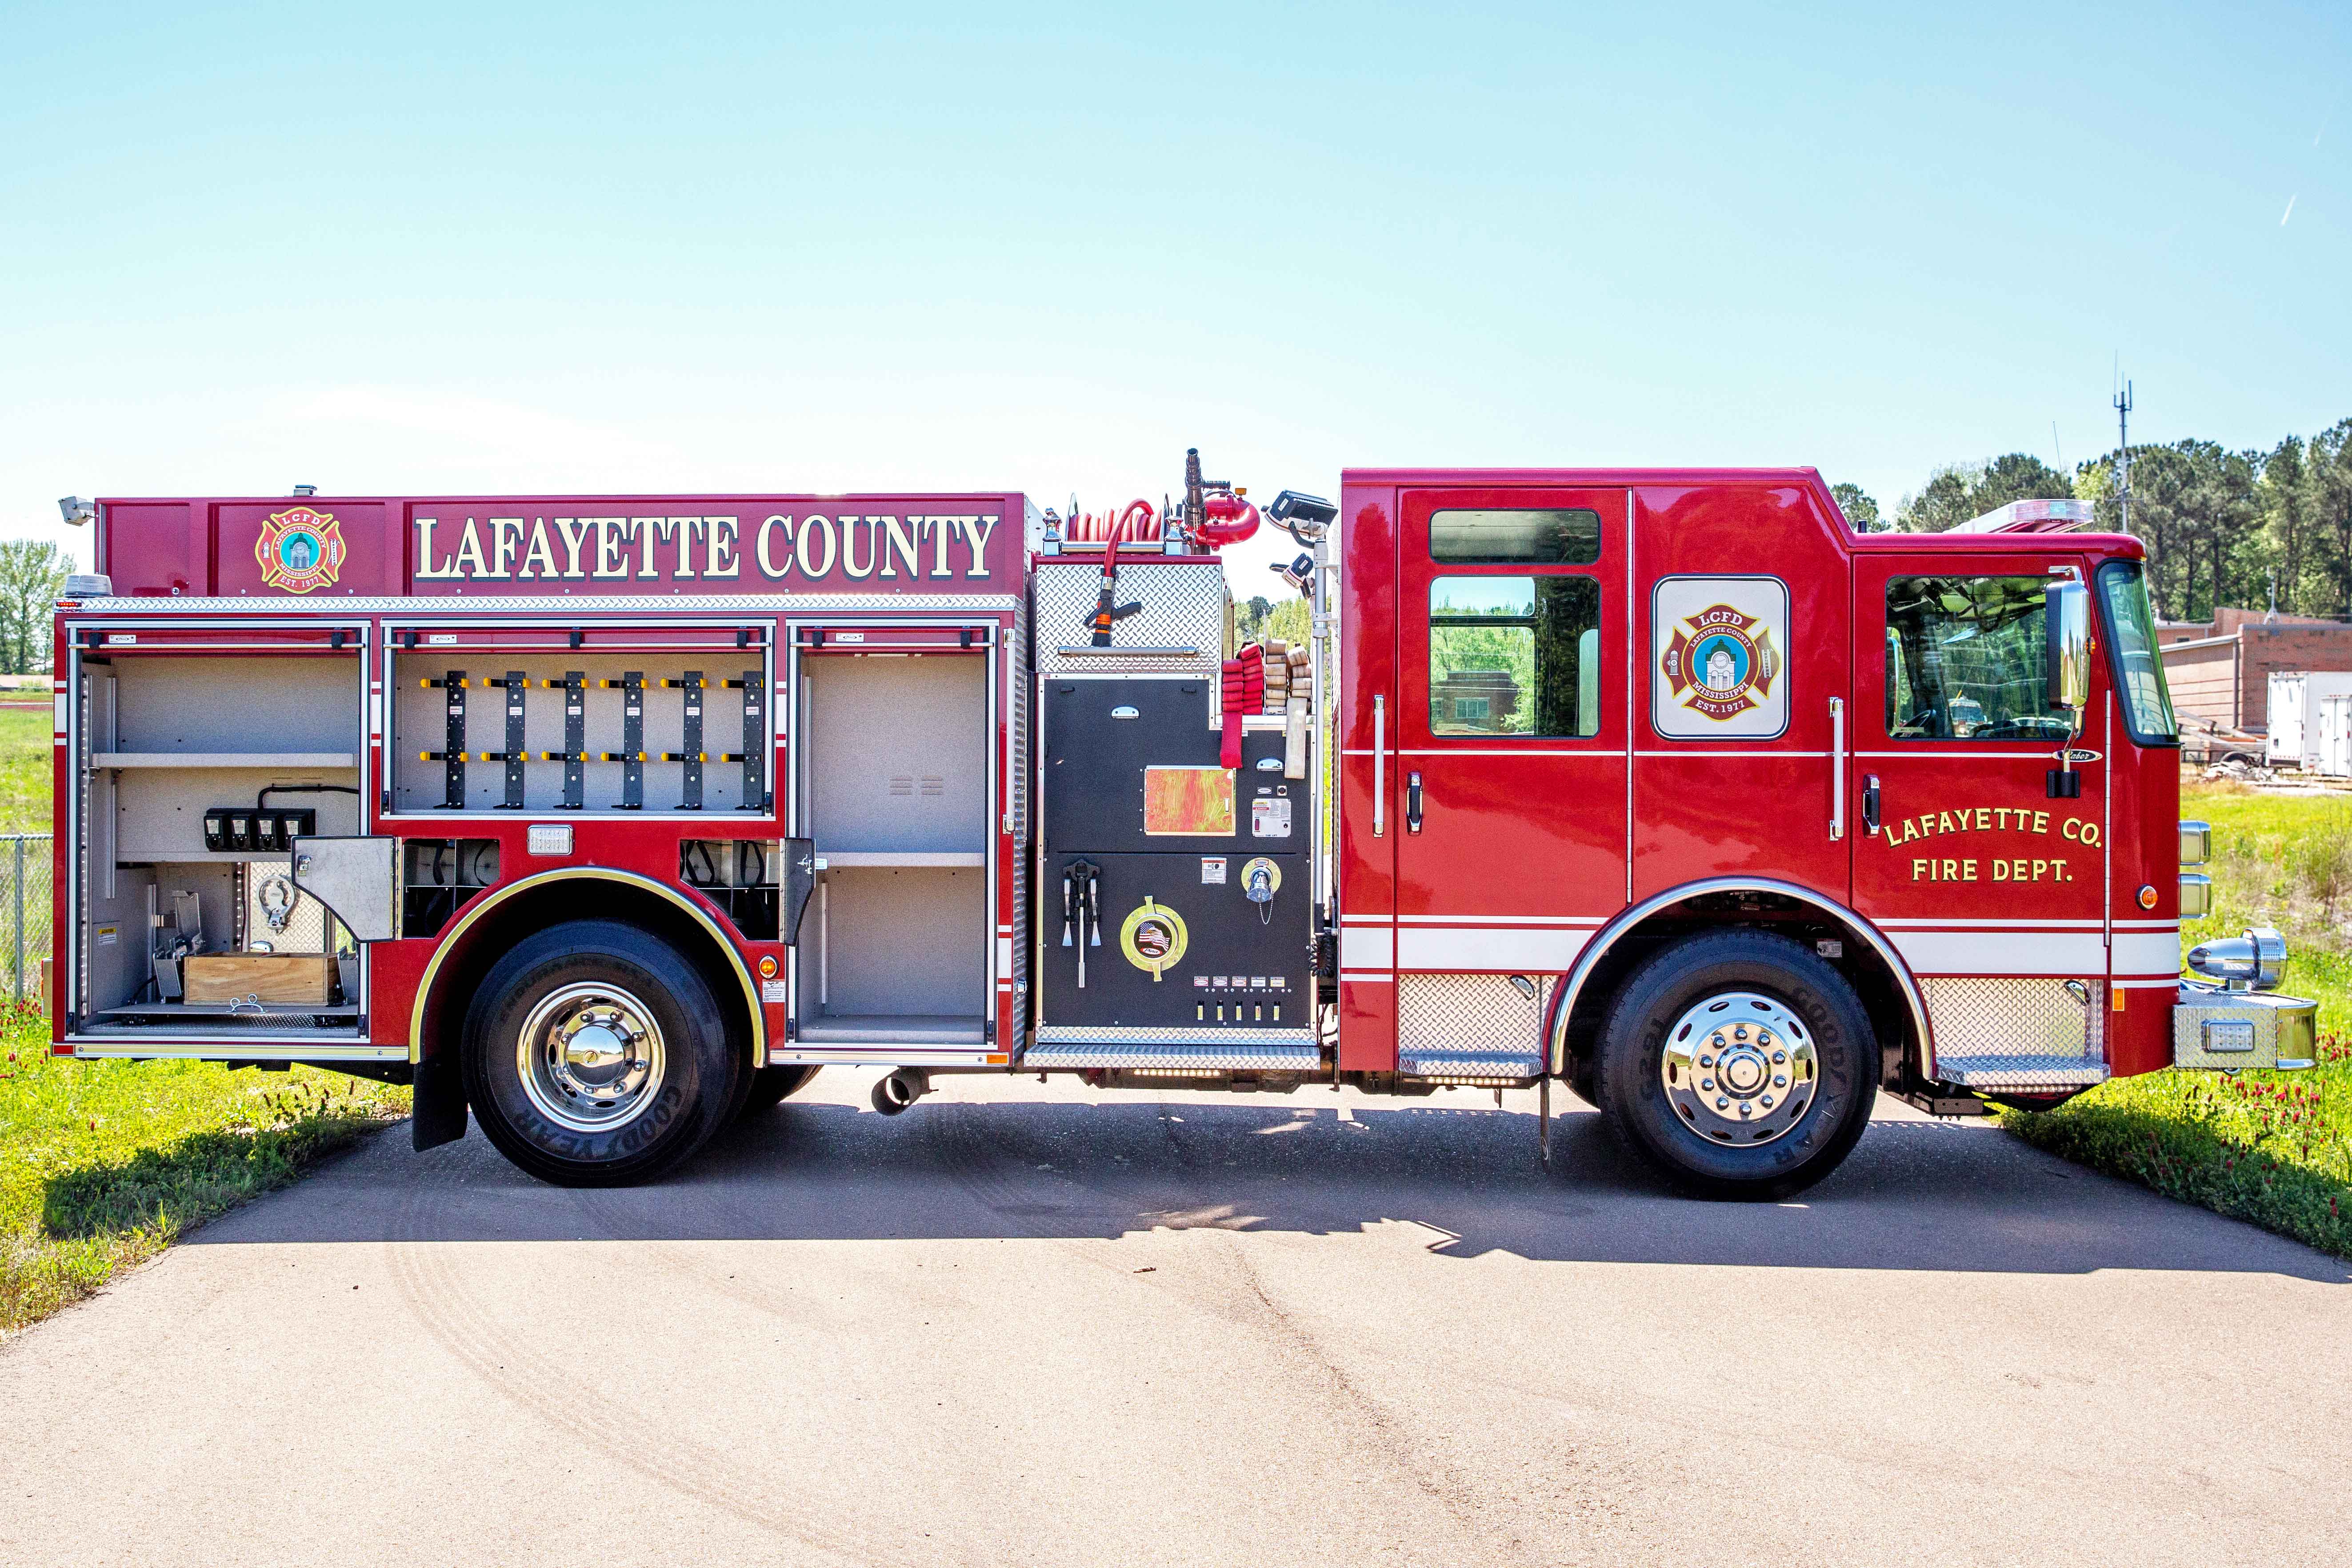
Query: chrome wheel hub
[[1740, 1068], [590, 1058]]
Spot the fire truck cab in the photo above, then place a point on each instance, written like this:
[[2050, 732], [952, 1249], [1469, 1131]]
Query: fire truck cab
[[607, 820]]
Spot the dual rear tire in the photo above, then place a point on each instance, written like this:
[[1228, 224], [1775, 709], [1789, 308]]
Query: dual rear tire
[[595, 1054]]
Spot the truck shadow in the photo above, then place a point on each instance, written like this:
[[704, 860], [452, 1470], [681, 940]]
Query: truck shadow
[[1914, 1194]]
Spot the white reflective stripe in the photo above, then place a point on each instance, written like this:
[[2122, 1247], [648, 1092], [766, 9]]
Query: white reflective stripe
[[2147, 925], [61, 714], [1362, 948], [2068, 953], [1367, 919], [1003, 954], [1589, 922], [2147, 952], [1486, 947], [2172, 983], [1352, 976]]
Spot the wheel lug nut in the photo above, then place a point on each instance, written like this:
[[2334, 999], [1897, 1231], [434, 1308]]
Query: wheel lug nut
[[1778, 1081], [1706, 1061], [1721, 1103], [1706, 1083], [1768, 1102], [1780, 1056]]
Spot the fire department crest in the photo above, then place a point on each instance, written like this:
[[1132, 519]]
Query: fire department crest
[[1720, 662], [299, 549]]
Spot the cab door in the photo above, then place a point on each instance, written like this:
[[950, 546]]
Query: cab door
[[1983, 849], [1509, 783]]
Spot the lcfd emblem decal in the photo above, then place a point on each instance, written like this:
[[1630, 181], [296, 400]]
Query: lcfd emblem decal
[[300, 550], [1721, 662]]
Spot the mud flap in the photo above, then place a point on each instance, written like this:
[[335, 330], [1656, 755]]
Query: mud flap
[[439, 1115]]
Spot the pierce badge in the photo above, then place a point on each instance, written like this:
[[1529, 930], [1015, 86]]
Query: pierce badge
[[1721, 662], [300, 550]]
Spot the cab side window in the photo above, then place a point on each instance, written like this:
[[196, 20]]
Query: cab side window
[[1515, 656], [1966, 660]]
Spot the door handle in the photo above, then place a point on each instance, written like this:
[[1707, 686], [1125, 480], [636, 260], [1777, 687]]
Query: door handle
[[1837, 769], [1412, 802], [1870, 803]]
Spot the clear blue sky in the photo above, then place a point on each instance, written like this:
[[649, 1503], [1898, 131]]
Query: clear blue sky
[[683, 247]]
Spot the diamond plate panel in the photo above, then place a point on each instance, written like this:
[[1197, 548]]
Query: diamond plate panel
[[1445, 1020], [1478, 1067], [1197, 1055], [2265, 1028], [2019, 1034], [1183, 605], [1017, 801]]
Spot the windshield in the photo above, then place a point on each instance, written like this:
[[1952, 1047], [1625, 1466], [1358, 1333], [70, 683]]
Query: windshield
[[2140, 670]]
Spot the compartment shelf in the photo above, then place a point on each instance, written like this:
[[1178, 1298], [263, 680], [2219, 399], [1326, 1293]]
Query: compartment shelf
[[194, 857], [273, 761], [853, 859]]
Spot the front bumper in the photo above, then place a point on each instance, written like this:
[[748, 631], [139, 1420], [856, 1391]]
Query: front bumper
[[2218, 1028]]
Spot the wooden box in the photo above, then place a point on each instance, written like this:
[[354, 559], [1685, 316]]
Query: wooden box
[[217, 977]]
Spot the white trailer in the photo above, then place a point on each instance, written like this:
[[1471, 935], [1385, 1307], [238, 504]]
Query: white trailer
[[2295, 697]]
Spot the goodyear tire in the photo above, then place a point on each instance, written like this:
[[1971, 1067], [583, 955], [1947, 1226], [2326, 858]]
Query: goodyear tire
[[773, 1086], [596, 1055], [1739, 1064]]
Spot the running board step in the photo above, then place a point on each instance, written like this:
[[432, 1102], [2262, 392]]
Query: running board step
[[1470, 1066], [1197, 1055]]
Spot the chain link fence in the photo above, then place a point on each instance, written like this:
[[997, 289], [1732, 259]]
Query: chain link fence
[[26, 879]]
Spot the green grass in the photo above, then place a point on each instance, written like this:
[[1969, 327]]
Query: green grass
[[103, 1165], [24, 770], [2271, 1148]]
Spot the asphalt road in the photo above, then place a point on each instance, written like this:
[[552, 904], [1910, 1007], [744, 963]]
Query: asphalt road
[[1027, 1324]]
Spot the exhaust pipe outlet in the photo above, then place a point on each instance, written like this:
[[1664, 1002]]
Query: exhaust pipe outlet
[[901, 1089]]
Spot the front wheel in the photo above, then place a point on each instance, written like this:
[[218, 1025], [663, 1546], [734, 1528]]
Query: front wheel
[[596, 1055], [1737, 1063]]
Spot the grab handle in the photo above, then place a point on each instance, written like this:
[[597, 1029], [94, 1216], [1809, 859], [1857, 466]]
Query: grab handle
[[1837, 769], [1379, 768]]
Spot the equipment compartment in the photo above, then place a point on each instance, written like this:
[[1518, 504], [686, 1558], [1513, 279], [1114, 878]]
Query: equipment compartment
[[184, 759], [893, 763]]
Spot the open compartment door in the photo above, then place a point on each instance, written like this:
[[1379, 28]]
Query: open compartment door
[[357, 878]]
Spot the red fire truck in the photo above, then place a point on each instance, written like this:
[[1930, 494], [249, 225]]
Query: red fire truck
[[612, 818]]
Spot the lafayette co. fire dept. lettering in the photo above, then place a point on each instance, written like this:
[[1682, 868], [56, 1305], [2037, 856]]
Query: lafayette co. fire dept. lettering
[[866, 548], [1990, 819]]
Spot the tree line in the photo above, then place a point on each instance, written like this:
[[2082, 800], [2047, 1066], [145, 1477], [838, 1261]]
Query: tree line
[[2222, 527]]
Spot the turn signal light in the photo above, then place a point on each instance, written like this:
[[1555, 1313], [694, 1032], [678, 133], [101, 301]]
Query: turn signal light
[[2147, 896]]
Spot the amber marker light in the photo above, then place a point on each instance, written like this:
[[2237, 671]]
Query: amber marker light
[[2147, 897], [767, 966]]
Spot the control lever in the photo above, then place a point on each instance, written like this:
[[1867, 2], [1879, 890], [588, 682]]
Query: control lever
[[1412, 802], [1084, 875], [1069, 910]]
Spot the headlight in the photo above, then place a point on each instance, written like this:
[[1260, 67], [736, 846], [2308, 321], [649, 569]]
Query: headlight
[[2254, 962], [2196, 895], [2196, 843]]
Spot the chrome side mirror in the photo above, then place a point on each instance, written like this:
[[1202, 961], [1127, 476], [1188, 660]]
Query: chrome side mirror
[[2067, 624]]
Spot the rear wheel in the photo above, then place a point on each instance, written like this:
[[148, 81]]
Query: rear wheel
[[773, 1086], [1739, 1064], [596, 1055]]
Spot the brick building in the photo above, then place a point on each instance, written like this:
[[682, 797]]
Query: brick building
[[2220, 670]]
